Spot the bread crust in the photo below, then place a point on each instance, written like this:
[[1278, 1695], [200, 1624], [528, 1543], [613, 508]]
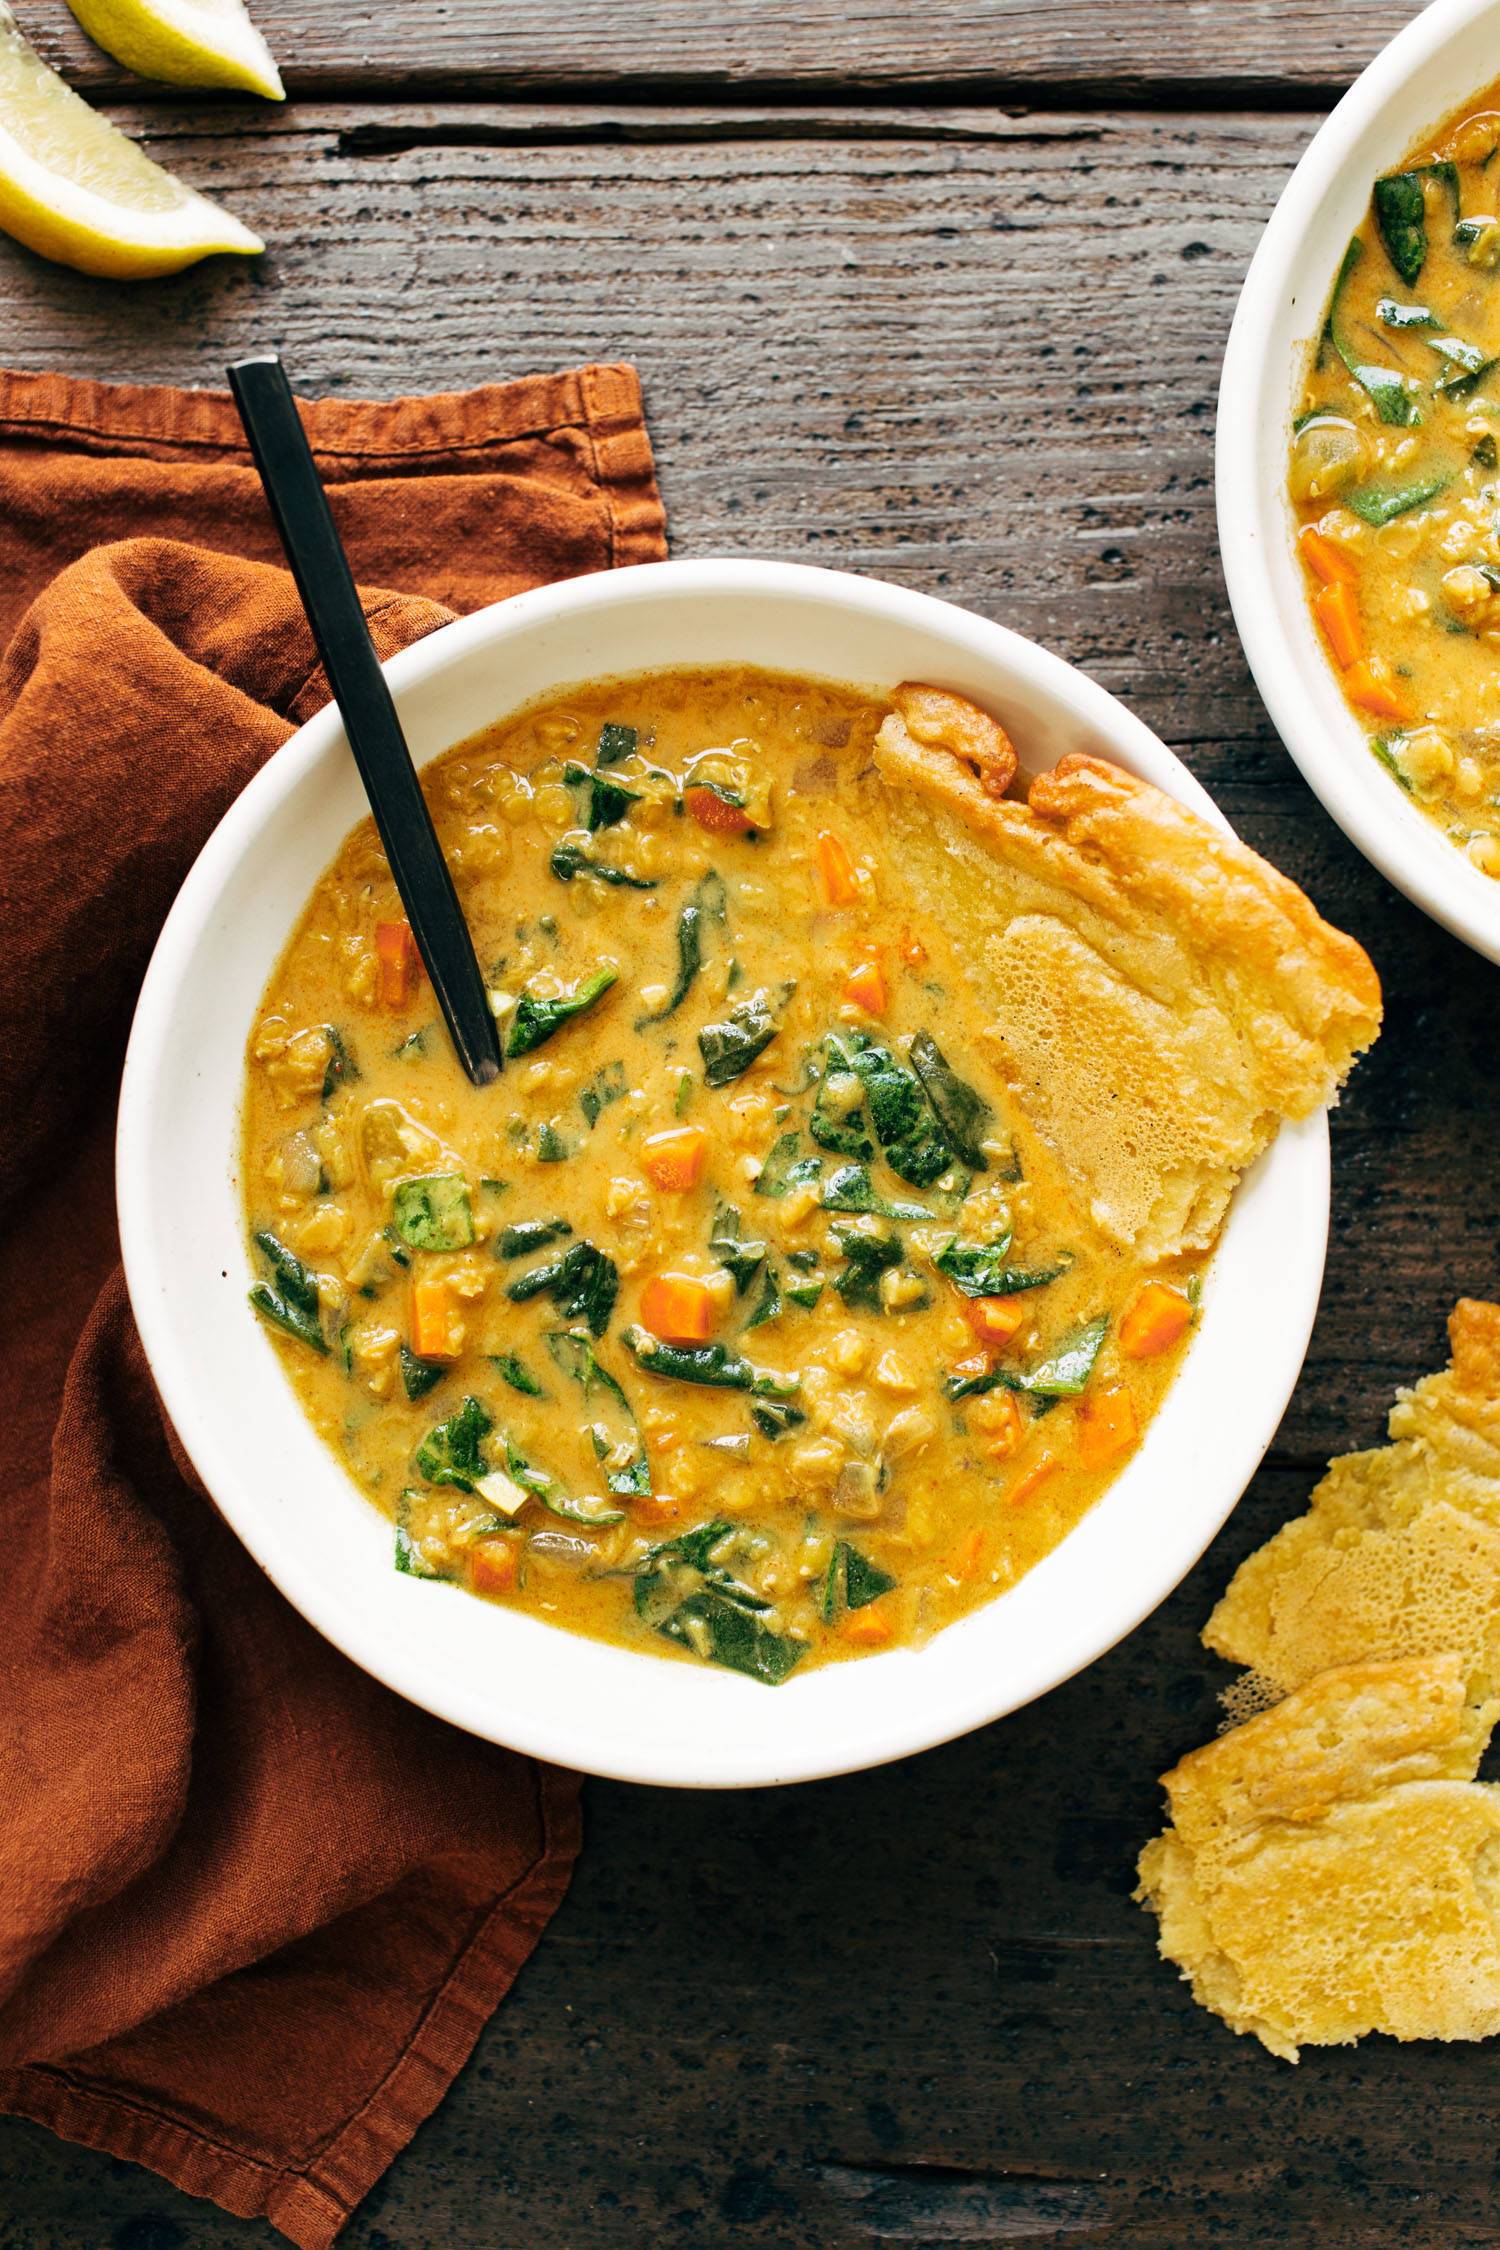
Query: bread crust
[[1158, 996]]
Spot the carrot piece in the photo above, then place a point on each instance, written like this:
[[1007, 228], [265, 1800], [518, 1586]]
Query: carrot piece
[[674, 1159], [396, 963], [493, 1566], [995, 1320], [964, 1560], [656, 1507], [870, 1627], [678, 1308], [1364, 686], [437, 1329], [1327, 561], [913, 951], [1337, 612], [866, 988], [1107, 1425], [837, 870], [1040, 1467], [1007, 1428], [711, 811], [1153, 1320]]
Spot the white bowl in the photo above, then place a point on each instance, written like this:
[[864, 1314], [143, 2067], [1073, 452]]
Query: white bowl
[[497, 1672], [1447, 55]]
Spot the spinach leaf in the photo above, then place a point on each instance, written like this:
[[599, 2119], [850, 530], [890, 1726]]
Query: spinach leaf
[[730, 1047], [290, 1301], [867, 1257], [570, 860], [1063, 1374], [341, 1068], [699, 1604], [409, 1557], [1380, 503], [897, 1105], [963, 1113], [1392, 315], [418, 1376], [451, 1452], [1486, 455], [1382, 745], [583, 1283], [616, 743], [535, 1021], [838, 1124], [433, 1213], [1394, 394], [608, 801], [738, 1256], [517, 1374], [594, 1514], [850, 1188], [768, 1305], [981, 1270], [530, 1234], [783, 1169], [711, 1364], [853, 1582], [774, 1417], [709, 902], [803, 1289], [1401, 214], [607, 1085]]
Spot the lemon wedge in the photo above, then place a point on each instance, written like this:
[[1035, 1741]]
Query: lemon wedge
[[76, 190], [185, 42]]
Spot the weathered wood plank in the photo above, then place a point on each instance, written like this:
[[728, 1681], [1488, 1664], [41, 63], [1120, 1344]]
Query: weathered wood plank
[[1122, 51], [914, 2006]]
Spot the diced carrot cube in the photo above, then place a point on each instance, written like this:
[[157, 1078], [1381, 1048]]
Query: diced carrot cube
[[964, 1560], [1007, 1427], [713, 812], [1366, 687], [678, 1308], [837, 870], [396, 963], [674, 1160], [870, 1627], [1036, 1471], [995, 1320], [1107, 1425], [866, 988], [1337, 612], [437, 1328], [494, 1565], [1327, 561], [1153, 1320], [656, 1507]]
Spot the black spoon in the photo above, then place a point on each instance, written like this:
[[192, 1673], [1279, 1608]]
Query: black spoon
[[304, 520]]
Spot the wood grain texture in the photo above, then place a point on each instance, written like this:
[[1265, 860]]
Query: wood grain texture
[[466, 49], [914, 2007]]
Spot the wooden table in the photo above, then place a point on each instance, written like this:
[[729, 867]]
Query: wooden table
[[937, 291]]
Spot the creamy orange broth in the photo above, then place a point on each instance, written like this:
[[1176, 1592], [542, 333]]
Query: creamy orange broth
[[522, 1258], [1395, 477]]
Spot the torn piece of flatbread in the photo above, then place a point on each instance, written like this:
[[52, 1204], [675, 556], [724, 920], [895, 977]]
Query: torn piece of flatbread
[[1159, 998], [1332, 1867], [1399, 1552]]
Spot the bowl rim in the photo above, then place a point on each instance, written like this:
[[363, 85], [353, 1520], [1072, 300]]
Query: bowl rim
[[1291, 670], [204, 1430]]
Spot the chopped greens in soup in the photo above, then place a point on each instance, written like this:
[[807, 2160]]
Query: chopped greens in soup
[[744, 1319], [1395, 478]]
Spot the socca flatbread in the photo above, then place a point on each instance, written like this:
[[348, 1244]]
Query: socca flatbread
[[1158, 997], [1399, 1552], [1332, 1867]]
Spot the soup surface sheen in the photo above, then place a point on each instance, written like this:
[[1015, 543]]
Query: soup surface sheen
[[1395, 477], [743, 1318]]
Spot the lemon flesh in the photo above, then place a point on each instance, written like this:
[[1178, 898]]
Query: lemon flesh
[[184, 42], [75, 189]]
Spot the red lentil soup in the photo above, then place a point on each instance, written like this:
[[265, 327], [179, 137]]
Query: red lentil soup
[[743, 1320]]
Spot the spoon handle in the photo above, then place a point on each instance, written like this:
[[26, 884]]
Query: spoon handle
[[304, 520]]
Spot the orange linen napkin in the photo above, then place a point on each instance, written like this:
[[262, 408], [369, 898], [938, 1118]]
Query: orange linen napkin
[[254, 1909]]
